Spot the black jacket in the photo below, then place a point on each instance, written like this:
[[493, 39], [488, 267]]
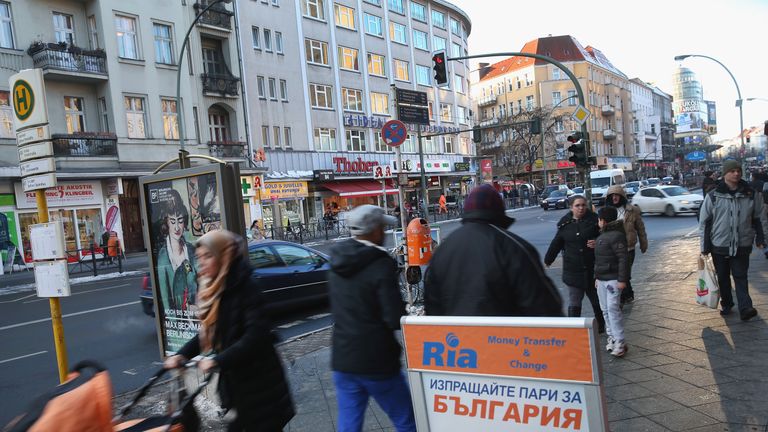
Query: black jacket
[[571, 238], [611, 257], [366, 306], [251, 376], [482, 269]]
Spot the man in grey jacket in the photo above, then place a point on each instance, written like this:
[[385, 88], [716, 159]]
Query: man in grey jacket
[[730, 221]]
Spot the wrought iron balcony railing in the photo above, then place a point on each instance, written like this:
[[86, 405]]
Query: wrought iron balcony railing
[[225, 85], [217, 16], [68, 58], [85, 144], [228, 149]]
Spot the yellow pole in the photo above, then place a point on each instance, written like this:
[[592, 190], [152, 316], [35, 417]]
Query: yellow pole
[[58, 327]]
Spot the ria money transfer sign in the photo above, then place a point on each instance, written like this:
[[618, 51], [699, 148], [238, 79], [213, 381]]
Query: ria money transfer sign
[[501, 374]]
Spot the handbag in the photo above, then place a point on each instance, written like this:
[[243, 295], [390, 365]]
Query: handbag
[[707, 289]]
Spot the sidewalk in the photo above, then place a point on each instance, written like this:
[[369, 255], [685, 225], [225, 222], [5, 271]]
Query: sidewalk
[[687, 369]]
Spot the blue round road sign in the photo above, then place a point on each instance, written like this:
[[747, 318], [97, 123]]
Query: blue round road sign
[[394, 133]]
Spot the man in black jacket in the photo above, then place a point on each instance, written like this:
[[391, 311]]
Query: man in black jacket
[[482, 269], [366, 307]]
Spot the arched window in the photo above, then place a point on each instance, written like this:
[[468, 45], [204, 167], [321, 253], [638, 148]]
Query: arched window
[[218, 124]]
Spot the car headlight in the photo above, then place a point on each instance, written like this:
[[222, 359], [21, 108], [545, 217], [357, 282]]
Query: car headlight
[[562, 200], [685, 202]]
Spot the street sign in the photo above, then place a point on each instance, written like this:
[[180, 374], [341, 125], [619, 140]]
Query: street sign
[[696, 156], [47, 241], [461, 166], [52, 279], [323, 175], [394, 133], [37, 182], [34, 151], [413, 114], [411, 97], [581, 115], [33, 135], [37, 166], [28, 96], [382, 172]]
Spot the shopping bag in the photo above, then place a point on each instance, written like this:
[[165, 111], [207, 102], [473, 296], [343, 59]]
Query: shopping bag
[[707, 289]]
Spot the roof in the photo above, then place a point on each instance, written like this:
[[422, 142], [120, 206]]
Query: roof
[[561, 48]]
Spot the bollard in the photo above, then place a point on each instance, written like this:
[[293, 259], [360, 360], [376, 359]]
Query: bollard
[[93, 259], [119, 257]]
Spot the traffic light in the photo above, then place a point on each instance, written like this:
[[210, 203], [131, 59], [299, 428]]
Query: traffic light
[[534, 126], [579, 149], [438, 65], [476, 136]]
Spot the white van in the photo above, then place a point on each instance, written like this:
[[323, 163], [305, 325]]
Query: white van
[[602, 180]]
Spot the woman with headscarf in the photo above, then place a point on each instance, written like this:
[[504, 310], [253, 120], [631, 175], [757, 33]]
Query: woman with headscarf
[[235, 337]]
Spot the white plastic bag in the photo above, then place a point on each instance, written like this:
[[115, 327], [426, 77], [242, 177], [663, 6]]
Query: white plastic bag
[[707, 289]]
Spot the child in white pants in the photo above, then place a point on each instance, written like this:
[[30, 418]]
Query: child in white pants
[[611, 274]]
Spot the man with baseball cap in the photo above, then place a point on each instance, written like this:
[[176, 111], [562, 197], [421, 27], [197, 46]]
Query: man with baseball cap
[[366, 307]]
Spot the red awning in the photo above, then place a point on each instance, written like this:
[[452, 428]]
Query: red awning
[[359, 188]]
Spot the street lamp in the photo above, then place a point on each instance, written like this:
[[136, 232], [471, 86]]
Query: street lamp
[[180, 114], [543, 150], [738, 91]]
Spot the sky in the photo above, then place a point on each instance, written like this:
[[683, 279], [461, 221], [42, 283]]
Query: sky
[[642, 38]]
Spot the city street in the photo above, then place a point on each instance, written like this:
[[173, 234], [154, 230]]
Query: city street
[[103, 319]]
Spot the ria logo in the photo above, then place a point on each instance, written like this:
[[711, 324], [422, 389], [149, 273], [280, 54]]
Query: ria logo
[[436, 354]]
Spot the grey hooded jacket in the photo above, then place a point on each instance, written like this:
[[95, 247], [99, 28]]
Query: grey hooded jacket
[[735, 219]]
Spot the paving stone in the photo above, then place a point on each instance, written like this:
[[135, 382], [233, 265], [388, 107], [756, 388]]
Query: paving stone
[[652, 405], [654, 360], [642, 375], [737, 412], [693, 396], [668, 347], [630, 391], [618, 411], [668, 384], [744, 390], [725, 427], [682, 419], [639, 424]]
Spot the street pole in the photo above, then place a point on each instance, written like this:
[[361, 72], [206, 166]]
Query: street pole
[[544, 150], [424, 197], [400, 170]]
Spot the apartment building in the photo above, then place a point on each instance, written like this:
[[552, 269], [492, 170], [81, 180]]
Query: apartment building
[[519, 84], [110, 71], [320, 87], [646, 128]]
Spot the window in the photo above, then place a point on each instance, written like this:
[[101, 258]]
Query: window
[[445, 112], [317, 52], [272, 89], [380, 145], [449, 143], [556, 99], [377, 65], [163, 43], [263, 257], [283, 90], [401, 70], [74, 114], [93, 32], [313, 9], [555, 73], [438, 43], [295, 256], [423, 75], [218, 124], [103, 114], [265, 136], [420, 40], [321, 96], [255, 36], [348, 59], [260, 87], [461, 115], [418, 12], [559, 127], [356, 140], [380, 103], [455, 27], [127, 43], [170, 119], [397, 32], [325, 139], [396, 6], [571, 97], [276, 3], [458, 83], [287, 143], [267, 40], [431, 108], [373, 25], [6, 27], [374, 2], [278, 42], [352, 99], [278, 141], [438, 19], [345, 16], [409, 146], [429, 145], [529, 102], [455, 50], [135, 115], [63, 28]]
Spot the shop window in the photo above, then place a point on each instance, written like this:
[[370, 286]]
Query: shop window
[[6, 116]]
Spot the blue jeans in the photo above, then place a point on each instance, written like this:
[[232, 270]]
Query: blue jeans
[[391, 393]]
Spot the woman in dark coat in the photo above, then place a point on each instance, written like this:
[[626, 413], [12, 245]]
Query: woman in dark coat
[[235, 337], [576, 234]]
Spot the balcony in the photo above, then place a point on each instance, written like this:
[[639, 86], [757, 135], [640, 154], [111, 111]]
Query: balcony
[[228, 149], [69, 63], [609, 134], [217, 16], [85, 144], [11, 59], [487, 100], [489, 122], [222, 85], [608, 110]]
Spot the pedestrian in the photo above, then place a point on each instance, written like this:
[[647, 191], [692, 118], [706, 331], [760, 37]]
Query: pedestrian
[[709, 182], [612, 275], [105, 248], [443, 204], [235, 337], [255, 231], [113, 246], [731, 220], [635, 229], [366, 307], [575, 237], [483, 269]]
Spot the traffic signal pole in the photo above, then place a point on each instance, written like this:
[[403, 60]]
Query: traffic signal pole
[[579, 93]]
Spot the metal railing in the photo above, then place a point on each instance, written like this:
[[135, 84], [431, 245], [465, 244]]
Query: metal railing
[[306, 232], [72, 60], [216, 16], [84, 260], [11, 59], [77, 145], [226, 85], [228, 149]]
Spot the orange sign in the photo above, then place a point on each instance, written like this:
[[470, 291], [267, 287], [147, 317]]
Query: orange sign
[[562, 354]]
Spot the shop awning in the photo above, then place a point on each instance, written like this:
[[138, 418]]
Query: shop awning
[[359, 188]]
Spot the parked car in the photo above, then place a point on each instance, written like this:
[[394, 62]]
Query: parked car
[[667, 180], [289, 274], [631, 188], [557, 199], [549, 189], [654, 181], [578, 191], [669, 200]]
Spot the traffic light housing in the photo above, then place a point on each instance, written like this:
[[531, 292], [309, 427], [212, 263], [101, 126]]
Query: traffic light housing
[[439, 66], [579, 149], [476, 136]]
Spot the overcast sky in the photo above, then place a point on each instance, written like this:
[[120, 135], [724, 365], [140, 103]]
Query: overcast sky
[[642, 39]]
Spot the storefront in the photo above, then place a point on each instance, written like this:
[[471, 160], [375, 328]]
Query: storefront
[[285, 200], [9, 234]]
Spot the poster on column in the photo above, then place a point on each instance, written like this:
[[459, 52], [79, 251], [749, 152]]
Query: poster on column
[[112, 221]]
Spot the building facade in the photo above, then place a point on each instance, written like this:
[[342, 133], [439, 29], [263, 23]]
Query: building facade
[[662, 103], [646, 129], [690, 114]]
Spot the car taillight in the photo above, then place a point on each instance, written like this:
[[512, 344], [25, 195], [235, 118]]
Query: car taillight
[[145, 283]]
